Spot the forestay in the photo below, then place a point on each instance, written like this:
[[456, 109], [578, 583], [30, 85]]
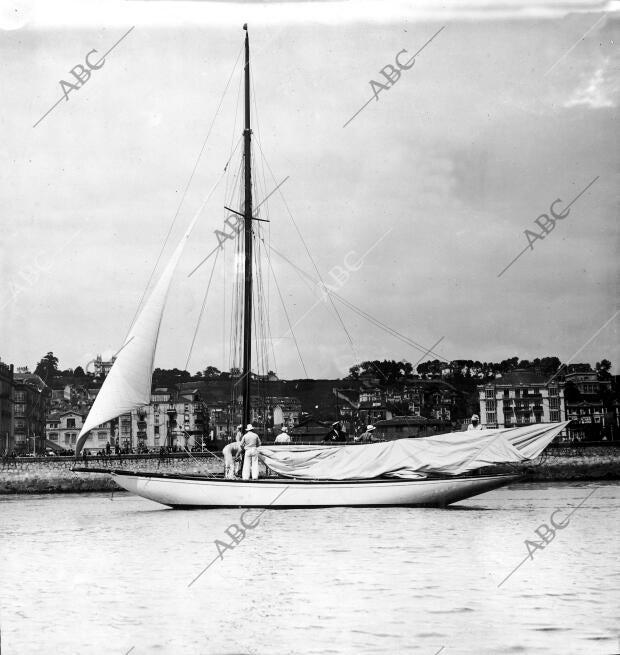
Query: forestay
[[448, 454]]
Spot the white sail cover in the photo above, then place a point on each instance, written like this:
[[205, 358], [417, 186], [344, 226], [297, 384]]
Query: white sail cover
[[447, 454], [128, 384]]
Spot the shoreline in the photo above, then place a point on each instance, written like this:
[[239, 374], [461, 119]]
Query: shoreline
[[54, 475]]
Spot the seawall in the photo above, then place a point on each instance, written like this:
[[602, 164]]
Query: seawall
[[27, 475]]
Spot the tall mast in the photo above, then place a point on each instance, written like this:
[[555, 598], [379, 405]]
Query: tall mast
[[247, 299]]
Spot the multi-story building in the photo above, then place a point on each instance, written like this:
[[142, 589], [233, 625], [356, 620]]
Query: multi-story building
[[63, 428], [521, 397], [102, 368], [172, 419], [30, 398], [586, 404], [6, 408]]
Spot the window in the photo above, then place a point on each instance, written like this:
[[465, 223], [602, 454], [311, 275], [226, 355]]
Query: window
[[157, 429], [517, 393], [491, 418], [53, 436], [555, 417], [20, 410], [489, 393], [554, 403], [491, 405], [102, 436], [70, 422], [553, 391], [506, 393], [67, 439]]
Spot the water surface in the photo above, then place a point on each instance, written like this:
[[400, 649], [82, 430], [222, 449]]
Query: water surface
[[100, 574]]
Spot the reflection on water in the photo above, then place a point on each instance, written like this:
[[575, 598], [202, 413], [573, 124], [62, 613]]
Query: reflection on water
[[91, 574]]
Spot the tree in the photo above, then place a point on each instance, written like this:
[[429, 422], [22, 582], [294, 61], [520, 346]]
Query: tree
[[602, 369], [354, 372], [47, 368], [79, 372], [212, 372]]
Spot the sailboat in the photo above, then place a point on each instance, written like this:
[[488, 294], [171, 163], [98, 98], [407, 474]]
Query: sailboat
[[431, 471]]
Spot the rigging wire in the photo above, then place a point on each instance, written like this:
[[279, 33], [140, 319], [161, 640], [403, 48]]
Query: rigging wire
[[202, 309], [183, 195], [402, 337], [331, 300], [287, 318], [311, 258]]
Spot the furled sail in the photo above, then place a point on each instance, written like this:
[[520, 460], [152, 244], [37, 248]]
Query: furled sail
[[128, 384], [447, 454]]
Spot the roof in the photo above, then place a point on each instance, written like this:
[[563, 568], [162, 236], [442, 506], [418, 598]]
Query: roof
[[404, 420], [519, 376], [54, 416], [30, 379]]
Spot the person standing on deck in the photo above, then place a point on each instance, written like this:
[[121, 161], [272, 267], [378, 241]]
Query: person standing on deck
[[284, 436], [249, 444], [231, 452], [239, 434], [336, 434], [366, 436], [475, 423]]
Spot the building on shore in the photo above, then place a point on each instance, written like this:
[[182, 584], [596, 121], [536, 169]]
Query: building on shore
[[404, 427], [435, 400], [589, 404], [63, 428], [6, 408], [30, 399], [521, 397]]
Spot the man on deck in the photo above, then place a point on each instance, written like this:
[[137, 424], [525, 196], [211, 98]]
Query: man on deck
[[284, 436], [366, 437], [336, 434], [230, 452], [250, 443], [475, 423]]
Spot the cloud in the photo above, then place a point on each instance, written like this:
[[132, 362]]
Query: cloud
[[596, 92]]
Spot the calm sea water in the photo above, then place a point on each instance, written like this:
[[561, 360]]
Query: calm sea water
[[96, 574]]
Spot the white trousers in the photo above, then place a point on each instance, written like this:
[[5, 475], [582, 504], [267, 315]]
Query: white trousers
[[250, 464]]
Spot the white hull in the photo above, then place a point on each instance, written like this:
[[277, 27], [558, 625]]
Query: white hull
[[197, 491]]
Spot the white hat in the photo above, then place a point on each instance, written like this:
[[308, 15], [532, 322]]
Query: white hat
[[370, 427], [249, 427], [284, 428], [475, 417]]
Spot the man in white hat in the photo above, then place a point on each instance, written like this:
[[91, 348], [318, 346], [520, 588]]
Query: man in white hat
[[475, 423], [366, 436], [284, 436], [249, 444]]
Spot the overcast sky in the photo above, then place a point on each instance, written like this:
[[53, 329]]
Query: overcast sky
[[436, 181]]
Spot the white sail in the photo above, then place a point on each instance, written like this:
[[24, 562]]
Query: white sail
[[446, 454], [128, 384]]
